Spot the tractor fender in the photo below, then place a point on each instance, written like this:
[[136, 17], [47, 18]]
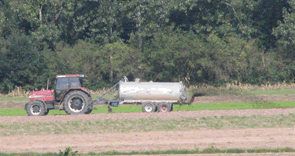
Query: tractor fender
[[87, 93]]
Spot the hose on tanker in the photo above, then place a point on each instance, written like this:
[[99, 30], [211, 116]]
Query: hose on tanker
[[124, 79]]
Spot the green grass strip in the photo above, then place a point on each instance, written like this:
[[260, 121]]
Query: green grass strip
[[193, 107], [214, 92], [212, 150], [270, 92], [147, 124], [196, 151]]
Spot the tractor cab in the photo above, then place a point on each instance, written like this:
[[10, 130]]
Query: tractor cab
[[64, 83]]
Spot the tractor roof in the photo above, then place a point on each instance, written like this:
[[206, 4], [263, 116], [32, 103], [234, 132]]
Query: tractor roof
[[73, 75]]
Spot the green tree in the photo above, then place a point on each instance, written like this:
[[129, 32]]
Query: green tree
[[21, 63], [284, 33], [45, 18], [118, 59], [8, 19], [173, 56]]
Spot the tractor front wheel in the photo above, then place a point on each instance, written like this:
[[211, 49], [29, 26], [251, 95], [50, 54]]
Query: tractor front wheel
[[76, 102], [35, 108]]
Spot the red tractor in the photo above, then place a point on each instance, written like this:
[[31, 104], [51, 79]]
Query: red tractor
[[69, 95]]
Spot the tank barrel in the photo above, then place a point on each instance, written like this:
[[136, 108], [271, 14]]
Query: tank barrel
[[153, 92]]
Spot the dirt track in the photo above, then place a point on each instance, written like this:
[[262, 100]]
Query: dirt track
[[147, 141]]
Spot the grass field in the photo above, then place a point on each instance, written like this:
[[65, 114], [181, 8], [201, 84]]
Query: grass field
[[211, 150], [270, 92], [209, 92], [147, 124], [193, 107]]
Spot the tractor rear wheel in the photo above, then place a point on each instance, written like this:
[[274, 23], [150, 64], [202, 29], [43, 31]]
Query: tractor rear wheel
[[35, 108], [76, 102]]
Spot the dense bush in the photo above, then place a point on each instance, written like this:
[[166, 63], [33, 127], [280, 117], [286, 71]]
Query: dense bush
[[197, 41]]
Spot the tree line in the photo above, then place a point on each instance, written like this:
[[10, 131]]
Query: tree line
[[196, 41]]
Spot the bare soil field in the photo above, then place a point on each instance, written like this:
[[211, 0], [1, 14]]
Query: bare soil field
[[197, 100], [155, 140]]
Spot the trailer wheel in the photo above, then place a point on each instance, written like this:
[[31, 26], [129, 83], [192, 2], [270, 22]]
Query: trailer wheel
[[90, 105], [46, 113], [165, 107], [89, 110], [148, 107], [35, 108], [76, 102]]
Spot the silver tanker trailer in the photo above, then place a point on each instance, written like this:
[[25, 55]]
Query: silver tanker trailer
[[154, 96]]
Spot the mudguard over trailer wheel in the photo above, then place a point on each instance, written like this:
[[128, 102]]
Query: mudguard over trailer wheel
[[165, 107], [148, 107], [76, 102], [35, 108]]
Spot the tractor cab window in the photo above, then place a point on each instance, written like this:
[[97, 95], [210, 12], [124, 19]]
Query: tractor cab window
[[62, 83], [74, 82]]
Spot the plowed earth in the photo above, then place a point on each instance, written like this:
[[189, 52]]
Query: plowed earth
[[147, 141], [155, 140]]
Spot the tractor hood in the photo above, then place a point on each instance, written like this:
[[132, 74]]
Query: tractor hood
[[46, 95]]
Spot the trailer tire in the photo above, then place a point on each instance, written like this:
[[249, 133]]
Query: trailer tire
[[88, 112], [46, 113], [35, 108], [90, 106], [76, 102], [165, 107], [148, 107]]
